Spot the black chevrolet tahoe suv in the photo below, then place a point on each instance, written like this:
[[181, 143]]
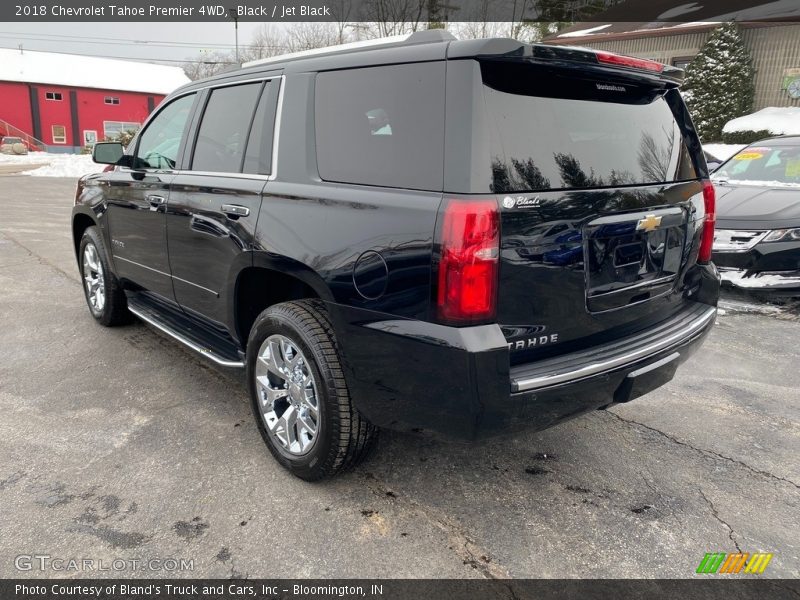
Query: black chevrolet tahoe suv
[[464, 237]]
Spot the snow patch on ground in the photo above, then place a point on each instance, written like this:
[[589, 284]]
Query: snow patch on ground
[[765, 281], [67, 165], [722, 151], [54, 165], [780, 121], [729, 306], [761, 281], [21, 159]]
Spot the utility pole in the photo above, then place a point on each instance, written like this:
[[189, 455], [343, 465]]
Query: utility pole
[[234, 15]]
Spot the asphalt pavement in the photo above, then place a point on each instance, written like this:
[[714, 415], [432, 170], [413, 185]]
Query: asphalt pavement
[[121, 444]]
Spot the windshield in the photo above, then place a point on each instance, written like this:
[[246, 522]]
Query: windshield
[[769, 166]]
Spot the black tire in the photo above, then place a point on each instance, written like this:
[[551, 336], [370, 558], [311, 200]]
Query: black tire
[[114, 310], [343, 436]]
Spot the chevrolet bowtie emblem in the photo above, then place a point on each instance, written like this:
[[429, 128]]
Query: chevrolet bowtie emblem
[[649, 223]]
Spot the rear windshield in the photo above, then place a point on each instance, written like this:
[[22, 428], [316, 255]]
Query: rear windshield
[[552, 132], [763, 165]]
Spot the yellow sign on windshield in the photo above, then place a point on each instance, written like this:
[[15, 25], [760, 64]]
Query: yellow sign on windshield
[[793, 167], [748, 156]]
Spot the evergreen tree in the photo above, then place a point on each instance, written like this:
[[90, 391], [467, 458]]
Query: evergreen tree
[[719, 82]]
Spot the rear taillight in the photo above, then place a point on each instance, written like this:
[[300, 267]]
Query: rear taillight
[[707, 235], [468, 268], [610, 58]]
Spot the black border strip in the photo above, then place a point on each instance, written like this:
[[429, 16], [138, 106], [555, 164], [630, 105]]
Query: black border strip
[[709, 587]]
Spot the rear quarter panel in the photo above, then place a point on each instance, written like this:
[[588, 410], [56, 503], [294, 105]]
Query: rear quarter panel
[[323, 228]]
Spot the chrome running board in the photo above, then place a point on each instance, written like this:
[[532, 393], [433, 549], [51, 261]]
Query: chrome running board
[[149, 318]]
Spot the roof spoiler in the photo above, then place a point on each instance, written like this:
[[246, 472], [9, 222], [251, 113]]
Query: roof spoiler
[[506, 48]]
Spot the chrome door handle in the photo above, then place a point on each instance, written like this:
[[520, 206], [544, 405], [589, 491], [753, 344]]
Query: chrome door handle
[[234, 210]]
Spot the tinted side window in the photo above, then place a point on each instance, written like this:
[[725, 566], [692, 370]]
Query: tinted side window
[[159, 143], [382, 125], [258, 156], [223, 131]]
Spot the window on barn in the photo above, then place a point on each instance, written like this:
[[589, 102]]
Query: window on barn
[[59, 134], [681, 62], [111, 129], [52, 95], [111, 100]]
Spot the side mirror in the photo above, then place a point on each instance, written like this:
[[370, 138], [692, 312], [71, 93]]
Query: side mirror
[[108, 153]]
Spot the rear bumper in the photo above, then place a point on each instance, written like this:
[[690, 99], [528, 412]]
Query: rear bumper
[[621, 354], [410, 375]]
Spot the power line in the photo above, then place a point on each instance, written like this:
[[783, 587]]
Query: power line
[[139, 58], [44, 37], [41, 36], [137, 44]]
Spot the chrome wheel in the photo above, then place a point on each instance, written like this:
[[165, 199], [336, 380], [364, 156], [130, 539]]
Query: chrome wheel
[[94, 278], [287, 395]]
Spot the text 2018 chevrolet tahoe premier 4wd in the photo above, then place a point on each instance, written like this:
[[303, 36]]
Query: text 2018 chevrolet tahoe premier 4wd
[[465, 237]]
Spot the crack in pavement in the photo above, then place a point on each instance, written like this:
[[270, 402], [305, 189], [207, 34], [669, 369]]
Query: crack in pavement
[[703, 451], [513, 594], [649, 485], [718, 518], [788, 589], [40, 259], [463, 546], [659, 499]]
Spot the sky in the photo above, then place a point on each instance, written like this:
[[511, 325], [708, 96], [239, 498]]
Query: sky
[[143, 41]]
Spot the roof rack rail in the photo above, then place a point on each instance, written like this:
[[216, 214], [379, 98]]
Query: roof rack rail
[[426, 36]]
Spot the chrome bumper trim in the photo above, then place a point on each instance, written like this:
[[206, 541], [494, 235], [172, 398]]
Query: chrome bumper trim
[[556, 377]]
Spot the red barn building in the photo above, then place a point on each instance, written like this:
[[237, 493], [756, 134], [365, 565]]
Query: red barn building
[[67, 101]]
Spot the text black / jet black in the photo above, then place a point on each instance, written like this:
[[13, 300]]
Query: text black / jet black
[[465, 237]]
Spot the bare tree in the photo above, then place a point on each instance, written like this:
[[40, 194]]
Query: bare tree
[[393, 17], [211, 64], [477, 24], [518, 17], [471, 30], [655, 156], [267, 41], [340, 10], [311, 34]]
